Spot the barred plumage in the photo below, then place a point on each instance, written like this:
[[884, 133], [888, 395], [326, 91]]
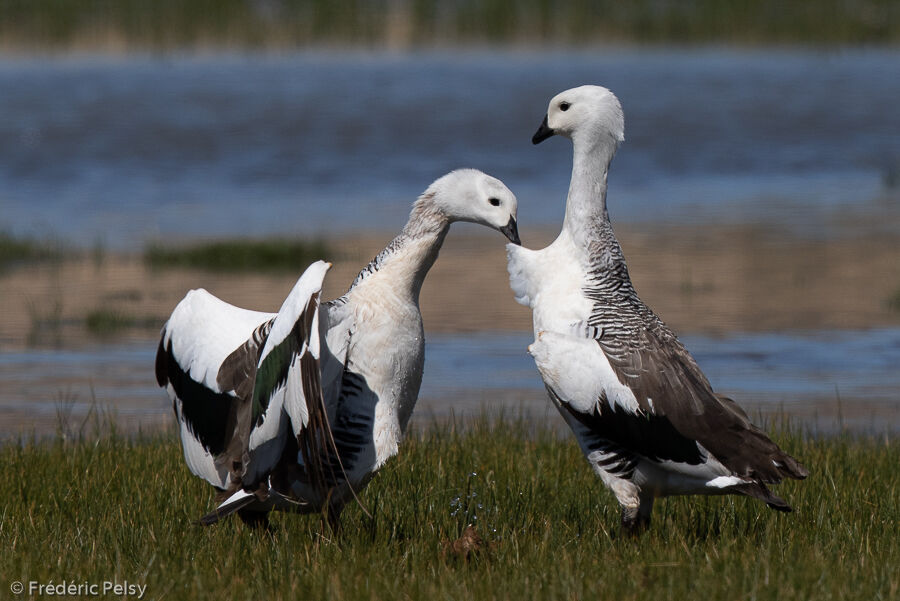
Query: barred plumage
[[644, 414]]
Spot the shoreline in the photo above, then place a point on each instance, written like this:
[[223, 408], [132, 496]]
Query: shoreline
[[709, 280], [87, 419]]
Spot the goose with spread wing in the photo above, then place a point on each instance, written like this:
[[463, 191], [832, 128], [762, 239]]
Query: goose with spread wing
[[645, 416], [297, 410]]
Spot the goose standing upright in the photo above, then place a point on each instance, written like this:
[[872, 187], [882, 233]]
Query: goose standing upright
[[644, 414], [297, 410]]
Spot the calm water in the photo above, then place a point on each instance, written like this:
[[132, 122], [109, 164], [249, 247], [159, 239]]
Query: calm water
[[121, 150], [823, 379], [118, 150]]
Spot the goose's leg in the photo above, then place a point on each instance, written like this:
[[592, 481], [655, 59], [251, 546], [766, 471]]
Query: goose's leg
[[636, 516], [331, 513], [334, 518], [629, 519], [644, 510]]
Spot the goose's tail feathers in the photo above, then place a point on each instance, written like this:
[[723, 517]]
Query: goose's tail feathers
[[235, 502]]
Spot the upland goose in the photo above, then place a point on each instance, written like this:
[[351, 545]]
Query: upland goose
[[298, 409], [644, 414]]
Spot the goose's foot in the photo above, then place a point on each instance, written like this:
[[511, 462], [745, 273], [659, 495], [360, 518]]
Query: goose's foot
[[636, 518], [333, 520]]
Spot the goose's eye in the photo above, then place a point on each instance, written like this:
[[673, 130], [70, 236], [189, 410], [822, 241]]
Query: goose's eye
[[564, 106], [494, 201]]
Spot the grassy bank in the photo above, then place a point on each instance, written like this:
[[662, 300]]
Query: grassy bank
[[120, 508], [172, 24], [18, 250], [236, 255]]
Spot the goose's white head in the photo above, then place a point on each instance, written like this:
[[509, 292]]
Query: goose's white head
[[470, 195], [587, 114]]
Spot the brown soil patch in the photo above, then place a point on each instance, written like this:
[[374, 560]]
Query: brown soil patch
[[698, 279]]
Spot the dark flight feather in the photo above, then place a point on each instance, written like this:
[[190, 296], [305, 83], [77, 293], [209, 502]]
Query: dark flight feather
[[647, 434], [273, 371], [208, 415]]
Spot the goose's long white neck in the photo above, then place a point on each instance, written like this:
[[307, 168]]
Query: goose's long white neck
[[586, 203], [425, 233], [406, 260]]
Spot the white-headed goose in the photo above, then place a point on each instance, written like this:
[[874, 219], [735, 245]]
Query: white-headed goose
[[297, 410], [644, 414]]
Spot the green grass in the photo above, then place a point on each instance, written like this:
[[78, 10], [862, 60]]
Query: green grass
[[124, 508], [270, 255], [17, 250], [893, 301], [105, 323], [167, 24]]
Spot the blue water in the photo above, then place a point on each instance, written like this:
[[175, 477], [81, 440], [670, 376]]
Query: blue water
[[818, 378], [121, 150], [776, 368]]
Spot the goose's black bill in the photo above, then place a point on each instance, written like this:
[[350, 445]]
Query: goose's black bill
[[511, 231], [542, 133]]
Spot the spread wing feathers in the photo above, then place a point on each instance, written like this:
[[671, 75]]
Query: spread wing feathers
[[666, 382], [238, 373], [196, 343], [287, 392]]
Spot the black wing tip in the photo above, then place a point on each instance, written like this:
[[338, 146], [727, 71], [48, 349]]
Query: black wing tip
[[208, 520], [801, 473], [758, 490], [768, 467], [788, 467], [162, 359], [780, 505], [212, 517], [221, 512]]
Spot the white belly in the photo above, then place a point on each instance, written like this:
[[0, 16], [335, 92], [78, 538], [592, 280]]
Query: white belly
[[388, 352]]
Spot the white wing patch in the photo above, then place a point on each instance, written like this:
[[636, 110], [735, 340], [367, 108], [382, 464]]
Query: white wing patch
[[520, 262], [201, 332], [725, 482], [579, 372], [204, 330]]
